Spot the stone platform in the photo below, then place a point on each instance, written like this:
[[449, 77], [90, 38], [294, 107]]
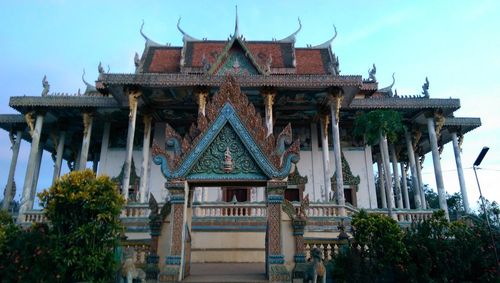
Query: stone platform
[[227, 272]]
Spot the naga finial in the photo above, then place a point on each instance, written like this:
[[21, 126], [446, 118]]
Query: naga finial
[[186, 37], [388, 89], [371, 73], [425, 88], [137, 60], [327, 43], [45, 85], [293, 36], [149, 42], [100, 69]]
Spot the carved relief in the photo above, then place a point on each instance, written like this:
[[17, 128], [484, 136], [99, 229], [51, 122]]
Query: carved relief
[[30, 120]]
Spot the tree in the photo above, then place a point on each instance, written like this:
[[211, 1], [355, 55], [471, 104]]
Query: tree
[[83, 211]]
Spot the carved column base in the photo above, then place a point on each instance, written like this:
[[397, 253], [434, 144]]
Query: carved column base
[[152, 269], [278, 273], [169, 274]]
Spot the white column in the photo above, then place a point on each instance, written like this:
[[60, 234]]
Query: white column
[[460, 172], [87, 131], [381, 181], [145, 159], [413, 168], [59, 156], [420, 182], [103, 159], [314, 169], [335, 111], [326, 157], [133, 97], [437, 166], [395, 171], [36, 175], [387, 172], [406, 198], [35, 132], [16, 143]]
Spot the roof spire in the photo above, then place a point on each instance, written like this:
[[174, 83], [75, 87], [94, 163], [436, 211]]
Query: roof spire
[[236, 30], [327, 43], [292, 37]]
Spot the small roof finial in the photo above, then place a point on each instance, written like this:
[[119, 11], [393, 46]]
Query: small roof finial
[[236, 29], [149, 42], [89, 87]]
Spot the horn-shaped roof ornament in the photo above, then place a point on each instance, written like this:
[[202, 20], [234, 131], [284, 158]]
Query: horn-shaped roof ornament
[[388, 89], [292, 37], [186, 37], [149, 42], [327, 43], [89, 86]]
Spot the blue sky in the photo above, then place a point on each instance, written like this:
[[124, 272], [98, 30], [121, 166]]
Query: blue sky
[[454, 43]]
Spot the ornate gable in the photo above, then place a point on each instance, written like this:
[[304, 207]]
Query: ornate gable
[[236, 59], [228, 114]]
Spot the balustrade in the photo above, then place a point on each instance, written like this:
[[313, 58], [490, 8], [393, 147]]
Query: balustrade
[[136, 210], [407, 215], [230, 210], [328, 247]]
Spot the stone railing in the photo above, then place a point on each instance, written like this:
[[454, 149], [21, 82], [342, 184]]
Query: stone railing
[[135, 210], [230, 210], [34, 216], [326, 209], [405, 215], [328, 247]]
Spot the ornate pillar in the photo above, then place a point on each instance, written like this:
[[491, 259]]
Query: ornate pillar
[[460, 170], [395, 171], [87, 131], [336, 102], [299, 223], [420, 161], [326, 157], [145, 159], [133, 97], [433, 133], [35, 128], [155, 223], [15, 144], [275, 259], [174, 261], [103, 160], [59, 156], [404, 169], [413, 167], [381, 181], [387, 172], [269, 95]]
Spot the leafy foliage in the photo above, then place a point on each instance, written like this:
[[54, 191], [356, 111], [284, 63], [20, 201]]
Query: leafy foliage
[[369, 125], [83, 211], [433, 250]]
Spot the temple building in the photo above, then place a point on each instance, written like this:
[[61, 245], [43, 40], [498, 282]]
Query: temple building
[[237, 150]]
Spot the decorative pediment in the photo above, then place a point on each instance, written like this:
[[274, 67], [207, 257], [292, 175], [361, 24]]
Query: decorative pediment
[[236, 59], [295, 179], [231, 127], [349, 178]]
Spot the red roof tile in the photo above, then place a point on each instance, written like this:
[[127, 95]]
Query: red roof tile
[[164, 60], [195, 51], [310, 61]]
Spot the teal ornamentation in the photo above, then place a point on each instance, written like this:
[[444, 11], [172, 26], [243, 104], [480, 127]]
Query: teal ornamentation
[[227, 117], [211, 162], [237, 64]]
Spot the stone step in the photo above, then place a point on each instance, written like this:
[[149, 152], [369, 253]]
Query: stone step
[[227, 272]]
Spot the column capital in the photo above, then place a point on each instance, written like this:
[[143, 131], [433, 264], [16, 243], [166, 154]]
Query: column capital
[[325, 122], [335, 101], [147, 118]]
